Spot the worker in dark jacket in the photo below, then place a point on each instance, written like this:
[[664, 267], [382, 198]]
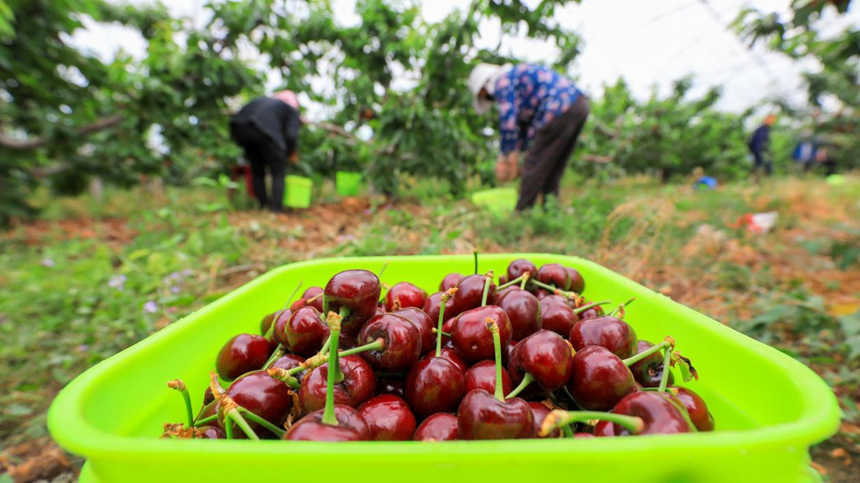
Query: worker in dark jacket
[[267, 128], [759, 145]]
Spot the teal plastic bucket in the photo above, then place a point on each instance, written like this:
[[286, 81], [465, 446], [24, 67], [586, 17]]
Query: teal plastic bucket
[[499, 201], [347, 184], [298, 192], [768, 407]]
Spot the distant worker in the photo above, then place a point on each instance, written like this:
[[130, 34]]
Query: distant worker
[[267, 128], [541, 112], [759, 145]]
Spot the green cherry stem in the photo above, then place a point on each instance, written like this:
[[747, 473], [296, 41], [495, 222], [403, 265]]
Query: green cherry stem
[[664, 378], [262, 422], [668, 343], [526, 276], [554, 290], [178, 385], [290, 298], [621, 307], [205, 421], [568, 433], [497, 347], [475, 254], [228, 428], [515, 281], [240, 421], [559, 418], [443, 302], [382, 270], [591, 306], [377, 345], [333, 362], [344, 313], [527, 379], [487, 284], [279, 351]]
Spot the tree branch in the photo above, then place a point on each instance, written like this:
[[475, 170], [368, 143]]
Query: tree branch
[[85, 130]]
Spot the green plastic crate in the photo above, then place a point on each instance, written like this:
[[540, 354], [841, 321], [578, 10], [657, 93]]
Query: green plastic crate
[[346, 183], [499, 201], [298, 192], [768, 407]]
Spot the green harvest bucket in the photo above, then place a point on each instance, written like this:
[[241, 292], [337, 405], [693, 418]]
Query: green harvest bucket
[[298, 192], [499, 201], [768, 407], [346, 183]]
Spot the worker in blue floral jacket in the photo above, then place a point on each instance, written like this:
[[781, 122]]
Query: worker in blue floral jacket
[[541, 112]]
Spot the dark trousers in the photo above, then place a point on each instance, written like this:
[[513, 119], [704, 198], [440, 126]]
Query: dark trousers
[[262, 152], [762, 161], [550, 150]]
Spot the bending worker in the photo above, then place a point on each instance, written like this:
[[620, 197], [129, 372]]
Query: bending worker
[[542, 113]]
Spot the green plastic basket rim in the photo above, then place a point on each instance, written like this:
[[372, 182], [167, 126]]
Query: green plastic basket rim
[[819, 419]]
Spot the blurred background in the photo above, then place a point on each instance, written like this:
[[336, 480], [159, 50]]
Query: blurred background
[[125, 204]]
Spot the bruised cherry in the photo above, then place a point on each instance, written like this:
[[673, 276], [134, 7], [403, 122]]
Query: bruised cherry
[[557, 315], [438, 427], [523, 310], [350, 427], [606, 331], [389, 418], [599, 379], [305, 332], [406, 294], [401, 343], [423, 323], [649, 370], [483, 376], [697, 409], [359, 291], [243, 353], [356, 387]]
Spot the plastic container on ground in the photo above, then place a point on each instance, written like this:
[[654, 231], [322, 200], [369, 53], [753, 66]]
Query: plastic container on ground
[[298, 192], [347, 184], [499, 201], [768, 407]]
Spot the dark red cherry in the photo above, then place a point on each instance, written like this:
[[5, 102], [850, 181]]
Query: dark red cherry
[[483, 376], [393, 387], [518, 267], [358, 290], [406, 294], [423, 323], [434, 385], [547, 357], [212, 432], [697, 408], [555, 275], [577, 283], [590, 313], [450, 281], [290, 361], [583, 435], [523, 310], [305, 332], [482, 416], [402, 343], [389, 418], [660, 415], [470, 293], [540, 411], [599, 379], [508, 350], [447, 328], [350, 427], [243, 353], [503, 279], [649, 370], [607, 331], [312, 292], [542, 293], [438, 427], [603, 429], [266, 323], [473, 339], [451, 355], [557, 315], [356, 387], [208, 397], [281, 319], [433, 305], [264, 396]]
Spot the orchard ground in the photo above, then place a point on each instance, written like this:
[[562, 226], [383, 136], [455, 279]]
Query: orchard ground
[[93, 276]]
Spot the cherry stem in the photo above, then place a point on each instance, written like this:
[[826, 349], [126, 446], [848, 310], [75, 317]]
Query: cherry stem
[[590, 306], [228, 429], [497, 348], [443, 302], [178, 385], [487, 284], [443, 333], [279, 351], [314, 298], [205, 421], [664, 378], [555, 290], [567, 431], [512, 282], [376, 345], [559, 418], [622, 307], [382, 270], [527, 379], [262, 422], [526, 276], [475, 254], [344, 313], [333, 362], [642, 355], [290, 298], [240, 421]]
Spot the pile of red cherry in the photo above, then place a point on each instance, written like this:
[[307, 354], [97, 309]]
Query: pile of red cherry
[[527, 358]]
